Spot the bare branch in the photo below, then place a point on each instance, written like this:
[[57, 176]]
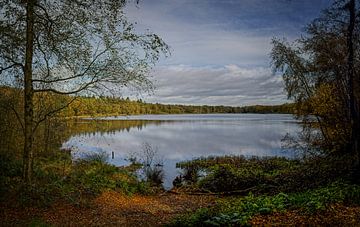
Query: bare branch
[[9, 67], [75, 76], [48, 114], [86, 86], [18, 118]]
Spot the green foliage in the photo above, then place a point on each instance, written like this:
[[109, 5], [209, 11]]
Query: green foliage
[[316, 72], [10, 173], [268, 164], [155, 175], [198, 218], [105, 106], [268, 175], [238, 211], [113, 106], [231, 173], [318, 199], [226, 220], [38, 223], [78, 182], [100, 157], [224, 177]]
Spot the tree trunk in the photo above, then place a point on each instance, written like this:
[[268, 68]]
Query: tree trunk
[[29, 94], [353, 94]]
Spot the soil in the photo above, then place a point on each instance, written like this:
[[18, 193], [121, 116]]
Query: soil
[[115, 209], [110, 209]]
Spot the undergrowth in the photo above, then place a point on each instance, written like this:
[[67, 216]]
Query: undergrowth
[[269, 175], [60, 178], [239, 211]]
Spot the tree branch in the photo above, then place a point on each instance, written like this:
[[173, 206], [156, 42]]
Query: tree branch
[[9, 67], [18, 118], [75, 76], [37, 123], [93, 81]]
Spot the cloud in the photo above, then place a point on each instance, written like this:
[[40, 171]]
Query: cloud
[[220, 49], [201, 42], [228, 85], [212, 32]]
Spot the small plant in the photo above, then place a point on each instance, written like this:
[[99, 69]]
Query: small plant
[[38, 223], [10, 173], [230, 219], [152, 168], [83, 180], [191, 174], [238, 211], [154, 174], [101, 156]]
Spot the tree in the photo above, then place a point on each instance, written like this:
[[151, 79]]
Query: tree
[[70, 47], [353, 87], [321, 73]]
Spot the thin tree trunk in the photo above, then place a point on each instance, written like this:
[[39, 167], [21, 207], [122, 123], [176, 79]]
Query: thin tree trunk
[[29, 93], [353, 93]]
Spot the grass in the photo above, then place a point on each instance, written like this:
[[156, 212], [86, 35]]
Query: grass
[[275, 185], [58, 178], [232, 173], [280, 185], [268, 175], [38, 223]]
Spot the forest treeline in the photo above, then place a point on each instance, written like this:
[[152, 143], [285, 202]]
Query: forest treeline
[[120, 106], [107, 106]]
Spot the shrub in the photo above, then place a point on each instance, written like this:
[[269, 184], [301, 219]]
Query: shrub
[[225, 177], [82, 181], [269, 175], [154, 175], [10, 173]]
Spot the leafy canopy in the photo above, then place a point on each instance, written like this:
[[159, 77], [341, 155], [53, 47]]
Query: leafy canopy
[[79, 46]]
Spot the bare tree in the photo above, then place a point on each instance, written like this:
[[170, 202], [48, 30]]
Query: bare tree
[[70, 47]]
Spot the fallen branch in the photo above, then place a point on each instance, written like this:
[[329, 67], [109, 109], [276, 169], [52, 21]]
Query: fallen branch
[[236, 192]]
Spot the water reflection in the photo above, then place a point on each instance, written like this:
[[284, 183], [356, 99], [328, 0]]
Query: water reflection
[[184, 137]]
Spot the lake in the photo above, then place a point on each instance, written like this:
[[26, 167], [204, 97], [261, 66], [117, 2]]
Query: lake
[[175, 138]]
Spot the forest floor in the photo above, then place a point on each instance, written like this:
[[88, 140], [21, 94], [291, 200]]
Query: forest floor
[[109, 209], [115, 209]]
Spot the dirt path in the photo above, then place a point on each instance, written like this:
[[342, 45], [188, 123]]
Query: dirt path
[[114, 209], [111, 209]]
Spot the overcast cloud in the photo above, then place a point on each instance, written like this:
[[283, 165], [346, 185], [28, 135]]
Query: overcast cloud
[[228, 85], [220, 48]]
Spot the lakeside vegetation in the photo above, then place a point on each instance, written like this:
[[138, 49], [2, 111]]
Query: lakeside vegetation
[[264, 186], [238, 211]]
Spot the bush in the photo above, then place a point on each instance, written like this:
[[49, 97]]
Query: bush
[[224, 178], [82, 181], [197, 218], [10, 173], [154, 175], [268, 175], [93, 177]]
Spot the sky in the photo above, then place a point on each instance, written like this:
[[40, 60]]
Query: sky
[[220, 48]]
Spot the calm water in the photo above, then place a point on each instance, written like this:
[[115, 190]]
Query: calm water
[[175, 138]]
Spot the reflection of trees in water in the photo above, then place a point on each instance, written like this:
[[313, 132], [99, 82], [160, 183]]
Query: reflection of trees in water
[[47, 140], [54, 132], [109, 127], [103, 127]]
